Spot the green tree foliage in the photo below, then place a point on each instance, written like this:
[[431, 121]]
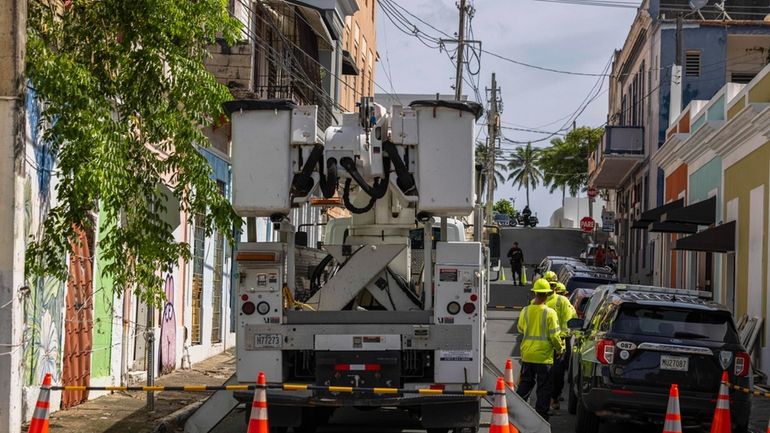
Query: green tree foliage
[[504, 206], [523, 168], [126, 93], [565, 163], [482, 155]]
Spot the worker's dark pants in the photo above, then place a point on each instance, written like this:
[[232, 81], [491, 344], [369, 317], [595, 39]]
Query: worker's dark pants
[[540, 375], [560, 366], [516, 273]]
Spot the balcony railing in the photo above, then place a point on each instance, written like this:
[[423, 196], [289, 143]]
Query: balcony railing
[[621, 149]]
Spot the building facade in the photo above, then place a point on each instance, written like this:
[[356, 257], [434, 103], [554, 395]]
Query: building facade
[[716, 164], [80, 330], [646, 97], [359, 43]]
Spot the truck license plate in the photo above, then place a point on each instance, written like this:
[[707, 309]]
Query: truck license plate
[[675, 363], [267, 341]]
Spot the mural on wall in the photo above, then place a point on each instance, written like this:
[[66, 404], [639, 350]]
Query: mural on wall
[[43, 308], [168, 330]]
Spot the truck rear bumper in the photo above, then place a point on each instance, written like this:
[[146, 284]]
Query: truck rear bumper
[[307, 399], [291, 409]]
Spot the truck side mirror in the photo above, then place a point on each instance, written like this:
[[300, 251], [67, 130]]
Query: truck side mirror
[[494, 248], [575, 323]]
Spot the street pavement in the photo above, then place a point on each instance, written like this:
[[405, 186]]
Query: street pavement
[[125, 412]]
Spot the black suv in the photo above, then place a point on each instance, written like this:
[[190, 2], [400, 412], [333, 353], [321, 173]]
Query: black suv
[[581, 276], [635, 341]]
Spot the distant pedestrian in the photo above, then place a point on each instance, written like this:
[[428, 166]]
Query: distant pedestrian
[[600, 257], [516, 257], [612, 258]]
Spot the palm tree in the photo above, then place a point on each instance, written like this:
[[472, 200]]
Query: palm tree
[[523, 168], [482, 153]]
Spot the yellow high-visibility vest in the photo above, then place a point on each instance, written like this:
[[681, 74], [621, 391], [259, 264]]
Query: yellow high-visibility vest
[[540, 334]]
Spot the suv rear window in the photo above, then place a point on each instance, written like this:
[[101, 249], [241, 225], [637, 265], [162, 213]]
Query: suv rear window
[[671, 322], [585, 283]]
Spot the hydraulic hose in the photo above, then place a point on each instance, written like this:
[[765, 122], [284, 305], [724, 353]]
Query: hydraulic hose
[[303, 181], [405, 179], [329, 179], [349, 206]]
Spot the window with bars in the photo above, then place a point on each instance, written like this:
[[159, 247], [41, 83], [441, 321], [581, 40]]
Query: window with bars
[[692, 64], [218, 286], [199, 243]]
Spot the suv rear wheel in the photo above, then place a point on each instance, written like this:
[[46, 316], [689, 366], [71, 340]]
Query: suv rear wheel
[[587, 421]]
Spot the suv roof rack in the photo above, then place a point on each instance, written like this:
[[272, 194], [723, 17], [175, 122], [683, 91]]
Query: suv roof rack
[[667, 290]]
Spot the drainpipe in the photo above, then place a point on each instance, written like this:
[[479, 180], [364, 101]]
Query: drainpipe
[[124, 340]]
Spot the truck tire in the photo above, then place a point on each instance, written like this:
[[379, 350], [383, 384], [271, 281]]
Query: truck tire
[[587, 421]]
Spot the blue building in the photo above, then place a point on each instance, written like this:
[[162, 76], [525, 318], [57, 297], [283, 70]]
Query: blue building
[[719, 44]]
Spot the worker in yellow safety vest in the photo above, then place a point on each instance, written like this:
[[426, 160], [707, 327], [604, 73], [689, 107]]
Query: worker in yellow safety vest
[[540, 340], [566, 311]]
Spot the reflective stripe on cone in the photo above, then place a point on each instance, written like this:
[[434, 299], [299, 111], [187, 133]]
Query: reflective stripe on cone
[[509, 375], [673, 421], [39, 423], [500, 423], [721, 422], [258, 419]]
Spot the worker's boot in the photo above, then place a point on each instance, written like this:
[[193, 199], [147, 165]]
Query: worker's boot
[[555, 404]]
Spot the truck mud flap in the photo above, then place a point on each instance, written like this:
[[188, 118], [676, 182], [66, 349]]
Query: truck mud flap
[[520, 413]]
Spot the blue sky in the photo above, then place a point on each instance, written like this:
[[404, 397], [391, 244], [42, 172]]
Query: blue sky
[[560, 36]]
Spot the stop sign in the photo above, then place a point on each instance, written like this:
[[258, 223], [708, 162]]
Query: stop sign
[[592, 192], [587, 224]]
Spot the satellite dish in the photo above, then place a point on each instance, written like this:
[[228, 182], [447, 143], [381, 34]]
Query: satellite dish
[[697, 5]]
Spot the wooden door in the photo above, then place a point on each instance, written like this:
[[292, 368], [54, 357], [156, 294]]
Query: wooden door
[[78, 320]]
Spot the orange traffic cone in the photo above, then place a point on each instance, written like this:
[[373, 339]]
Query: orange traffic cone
[[509, 375], [39, 422], [721, 422], [768, 427], [673, 422], [258, 419], [500, 423]]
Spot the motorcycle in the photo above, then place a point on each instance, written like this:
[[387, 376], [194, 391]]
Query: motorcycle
[[527, 221]]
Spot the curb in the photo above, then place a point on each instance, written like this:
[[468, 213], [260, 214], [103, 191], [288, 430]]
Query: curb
[[169, 423]]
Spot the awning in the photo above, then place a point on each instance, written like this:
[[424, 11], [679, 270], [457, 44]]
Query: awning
[[719, 239], [653, 215], [640, 225], [348, 64], [658, 227], [701, 213]]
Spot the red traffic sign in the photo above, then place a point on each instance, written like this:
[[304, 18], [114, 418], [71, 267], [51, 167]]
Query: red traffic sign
[[592, 192], [587, 224]]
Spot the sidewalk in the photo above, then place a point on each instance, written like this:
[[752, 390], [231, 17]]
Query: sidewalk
[[126, 412]]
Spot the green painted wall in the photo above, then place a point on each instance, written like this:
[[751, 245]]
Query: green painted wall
[[740, 178], [702, 182], [103, 312]]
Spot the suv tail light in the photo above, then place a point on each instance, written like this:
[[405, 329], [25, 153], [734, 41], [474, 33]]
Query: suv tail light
[[605, 350], [742, 364]]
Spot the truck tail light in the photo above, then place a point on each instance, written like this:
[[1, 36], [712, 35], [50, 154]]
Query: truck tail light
[[742, 364], [469, 308], [248, 308], [605, 351]]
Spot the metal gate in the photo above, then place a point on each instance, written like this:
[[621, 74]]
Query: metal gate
[[78, 320]]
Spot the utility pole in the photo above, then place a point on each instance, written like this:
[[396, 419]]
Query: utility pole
[[13, 30], [460, 52], [492, 131]]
